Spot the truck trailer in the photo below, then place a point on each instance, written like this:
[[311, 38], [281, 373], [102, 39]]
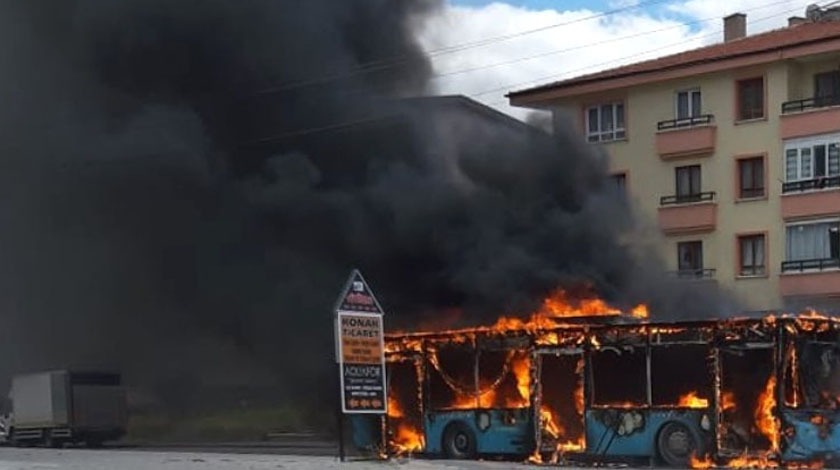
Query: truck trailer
[[60, 407]]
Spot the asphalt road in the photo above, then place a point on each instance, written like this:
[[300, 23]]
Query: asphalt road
[[148, 459]]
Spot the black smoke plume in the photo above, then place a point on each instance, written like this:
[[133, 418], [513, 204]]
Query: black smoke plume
[[185, 186]]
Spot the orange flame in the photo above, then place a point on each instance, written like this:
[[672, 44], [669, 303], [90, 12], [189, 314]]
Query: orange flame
[[745, 461], [467, 402], [560, 305], [522, 371], [705, 462], [727, 400], [691, 400], [793, 387], [407, 439], [764, 417], [552, 425], [579, 388], [639, 311], [394, 407]]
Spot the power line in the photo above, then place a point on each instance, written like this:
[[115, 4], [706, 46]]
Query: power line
[[341, 125], [360, 89], [392, 62], [614, 61], [591, 44], [493, 40]]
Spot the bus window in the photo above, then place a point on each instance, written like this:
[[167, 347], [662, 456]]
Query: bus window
[[619, 376], [451, 378], [504, 378], [819, 375], [680, 372]]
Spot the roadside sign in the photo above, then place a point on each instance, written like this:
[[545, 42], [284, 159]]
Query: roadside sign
[[357, 296], [360, 349]]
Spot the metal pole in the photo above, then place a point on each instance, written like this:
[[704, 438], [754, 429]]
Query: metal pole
[[476, 377], [648, 352], [339, 416]]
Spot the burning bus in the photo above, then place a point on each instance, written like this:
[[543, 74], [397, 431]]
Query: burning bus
[[745, 392]]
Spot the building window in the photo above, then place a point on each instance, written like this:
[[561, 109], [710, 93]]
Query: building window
[[750, 99], [605, 122], [688, 182], [827, 88], [690, 259], [812, 245], [620, 182], [812, 158], [751, 177], [751, 249], [688, 104]]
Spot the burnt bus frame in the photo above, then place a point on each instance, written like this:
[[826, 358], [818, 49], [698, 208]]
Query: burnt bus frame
[[750, 333]]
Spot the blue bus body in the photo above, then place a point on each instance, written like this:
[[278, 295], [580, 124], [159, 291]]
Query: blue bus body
[[629, 432], [497, 431], [805, 431], [809, 441]]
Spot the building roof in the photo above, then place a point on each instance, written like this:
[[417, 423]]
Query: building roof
[[777, 40]]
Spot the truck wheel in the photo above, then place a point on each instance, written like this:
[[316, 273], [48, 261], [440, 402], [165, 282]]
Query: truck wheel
[[459, 441], [676, 444]]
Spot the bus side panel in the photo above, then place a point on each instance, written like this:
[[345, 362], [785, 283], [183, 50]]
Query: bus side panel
[[366, 431], [510, 430], [629, 432], [810, 440]]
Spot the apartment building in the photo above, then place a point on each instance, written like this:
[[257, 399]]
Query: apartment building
[[733, 150]]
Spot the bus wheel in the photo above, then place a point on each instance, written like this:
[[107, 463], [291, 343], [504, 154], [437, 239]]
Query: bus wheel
[[676, 444], [459, 441]]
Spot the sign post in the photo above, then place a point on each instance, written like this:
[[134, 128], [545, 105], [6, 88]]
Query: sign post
[[360, 351]]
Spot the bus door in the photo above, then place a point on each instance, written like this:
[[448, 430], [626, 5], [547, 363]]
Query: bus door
[[404, 420], [745, 400], [558, 404]]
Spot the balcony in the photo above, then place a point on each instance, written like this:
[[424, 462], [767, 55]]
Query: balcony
[[809, 198], [810, 277], [694, 213], [687, 137], [810, 265], [810, 116]]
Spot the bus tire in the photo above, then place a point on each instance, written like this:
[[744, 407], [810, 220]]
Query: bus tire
[[459, 441], [676, 443]]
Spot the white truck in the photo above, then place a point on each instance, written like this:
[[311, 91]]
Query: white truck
[[58, 407]]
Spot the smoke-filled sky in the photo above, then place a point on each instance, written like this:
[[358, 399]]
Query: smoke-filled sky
[[549, 40], [186, 185]]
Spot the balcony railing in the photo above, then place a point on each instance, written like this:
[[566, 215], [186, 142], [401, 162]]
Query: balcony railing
[[699, 273], [810, 103], [684, 122], [687, 198], [816, 183], [810, 264]]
